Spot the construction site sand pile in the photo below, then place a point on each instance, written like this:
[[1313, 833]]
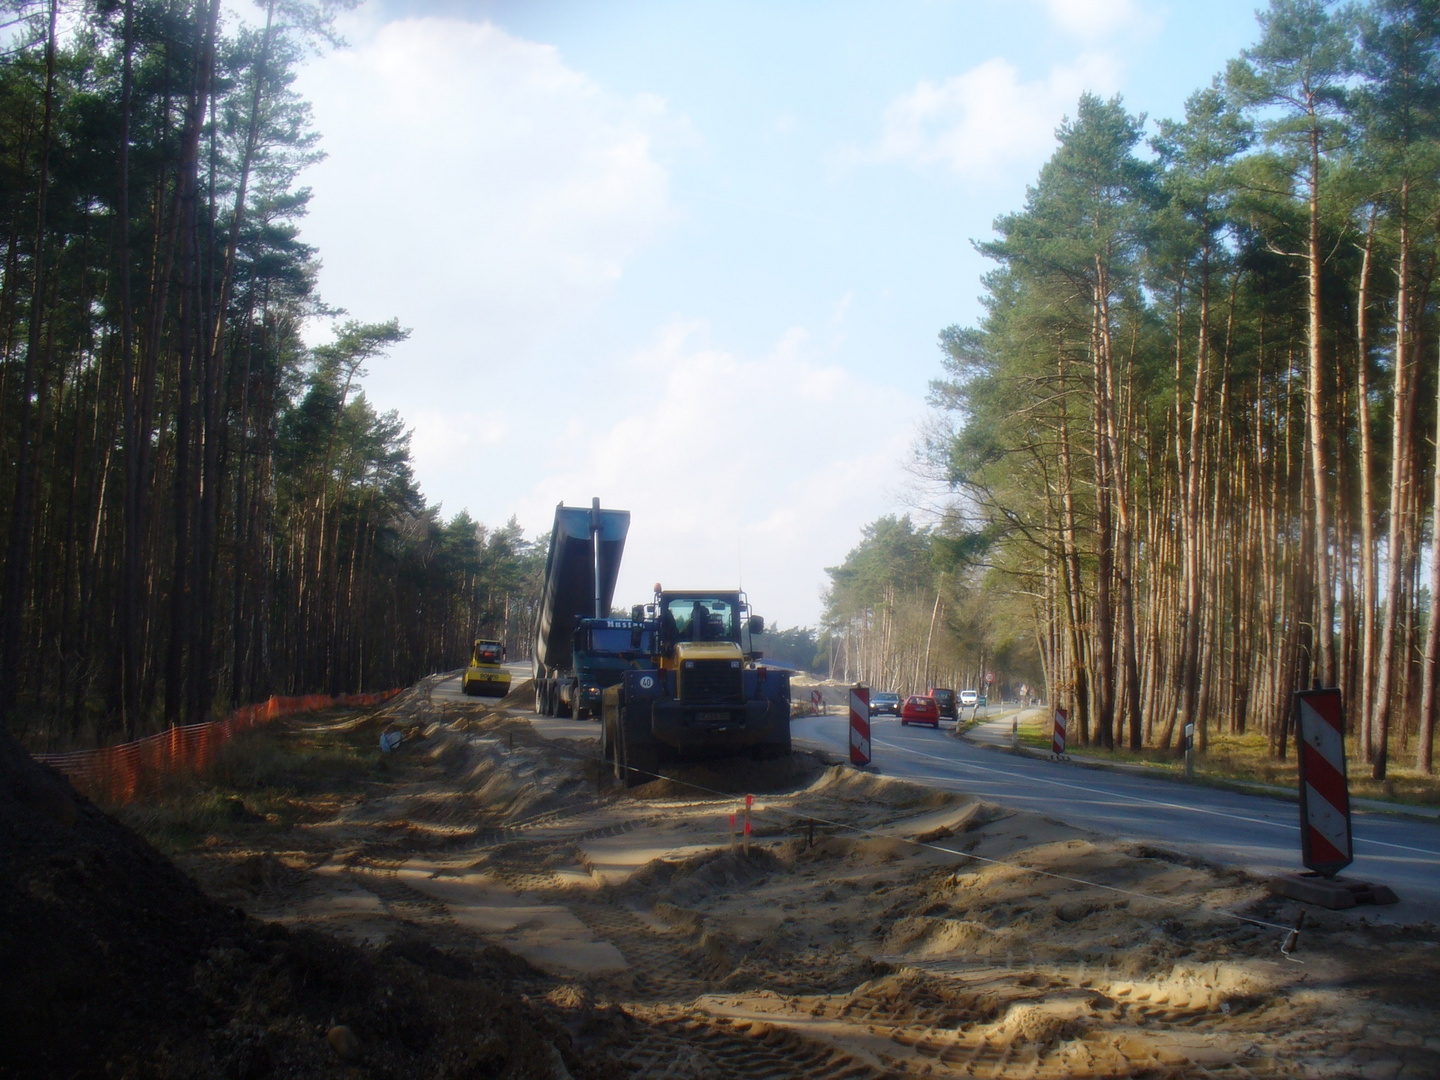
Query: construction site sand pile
[[114, 963]]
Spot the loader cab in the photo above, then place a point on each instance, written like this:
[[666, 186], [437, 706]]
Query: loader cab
[[687, 617], [694, 622]]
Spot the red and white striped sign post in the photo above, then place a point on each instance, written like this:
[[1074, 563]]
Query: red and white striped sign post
[[859, 725], [1324, 788], [1057, 738], [817, 702]]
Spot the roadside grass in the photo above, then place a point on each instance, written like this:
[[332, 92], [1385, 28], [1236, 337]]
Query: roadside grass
[[1245, 759], [977, 717], [262, 781]]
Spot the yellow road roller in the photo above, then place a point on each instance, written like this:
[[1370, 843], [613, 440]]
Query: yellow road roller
[[485, 677]]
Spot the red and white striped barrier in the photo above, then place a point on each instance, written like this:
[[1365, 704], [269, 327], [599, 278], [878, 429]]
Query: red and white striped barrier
[[817, 701], [1057, 738], [1324, 789], [859, 725]]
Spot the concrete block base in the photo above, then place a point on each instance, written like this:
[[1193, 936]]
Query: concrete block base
[[1333, 893]]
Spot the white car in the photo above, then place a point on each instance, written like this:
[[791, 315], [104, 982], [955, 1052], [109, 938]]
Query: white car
[[969, 699]]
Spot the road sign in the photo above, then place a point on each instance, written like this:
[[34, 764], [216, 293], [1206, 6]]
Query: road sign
[[1057, 739], [859, 725], [817, 701], [1324, 788], [989, 678]]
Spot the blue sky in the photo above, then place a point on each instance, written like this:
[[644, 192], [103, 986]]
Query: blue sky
[[693, 257]]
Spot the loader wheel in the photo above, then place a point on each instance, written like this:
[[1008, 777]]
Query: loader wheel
[[641, 763], [770, 751], [638, 758]]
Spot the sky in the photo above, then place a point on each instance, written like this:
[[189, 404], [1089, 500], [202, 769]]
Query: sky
[[693, 258]]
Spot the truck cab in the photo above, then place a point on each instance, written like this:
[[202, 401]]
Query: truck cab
[[604, 649]]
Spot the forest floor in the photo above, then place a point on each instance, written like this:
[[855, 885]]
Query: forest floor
[[872, 928], [1246, 759]]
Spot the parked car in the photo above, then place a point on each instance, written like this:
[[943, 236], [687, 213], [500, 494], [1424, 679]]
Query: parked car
[[946, 700], [919, 709], [883, 701], [969, 699]]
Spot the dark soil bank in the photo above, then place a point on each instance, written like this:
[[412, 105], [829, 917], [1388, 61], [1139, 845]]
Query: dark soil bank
[[113, 963]]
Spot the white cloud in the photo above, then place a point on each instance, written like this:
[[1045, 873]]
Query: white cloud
[[987, 118], [459, 441], [476, 182], [764, 467], [1093, 19]]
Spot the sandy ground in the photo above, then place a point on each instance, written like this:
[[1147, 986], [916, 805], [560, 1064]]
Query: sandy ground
[[870, 928]]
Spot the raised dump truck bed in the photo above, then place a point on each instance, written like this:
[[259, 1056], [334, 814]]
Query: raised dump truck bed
[[586, 545]]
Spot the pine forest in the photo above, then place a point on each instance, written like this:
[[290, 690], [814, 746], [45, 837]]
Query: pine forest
[[1195, 430], [196, 509]]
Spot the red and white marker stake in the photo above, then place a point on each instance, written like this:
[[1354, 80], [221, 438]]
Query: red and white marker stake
[[1324, 788], [859, 725], [817, 702], [1057, 739]]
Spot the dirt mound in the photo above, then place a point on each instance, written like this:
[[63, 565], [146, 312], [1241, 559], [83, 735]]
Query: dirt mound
[[684, 881], [116, 964]]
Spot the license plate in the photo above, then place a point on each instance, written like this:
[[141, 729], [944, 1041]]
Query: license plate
[[713, 717]]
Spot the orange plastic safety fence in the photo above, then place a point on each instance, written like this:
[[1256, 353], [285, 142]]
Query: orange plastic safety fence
[[117, 774]]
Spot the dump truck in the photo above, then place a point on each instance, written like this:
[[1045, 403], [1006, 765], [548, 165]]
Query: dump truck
[[579, 650], [704, 693], [485, 676]]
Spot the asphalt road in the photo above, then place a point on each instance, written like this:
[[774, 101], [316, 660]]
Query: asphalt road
[[449, 690], [1254, 832]]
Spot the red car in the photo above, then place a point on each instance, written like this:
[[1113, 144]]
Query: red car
[[920, 710]]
